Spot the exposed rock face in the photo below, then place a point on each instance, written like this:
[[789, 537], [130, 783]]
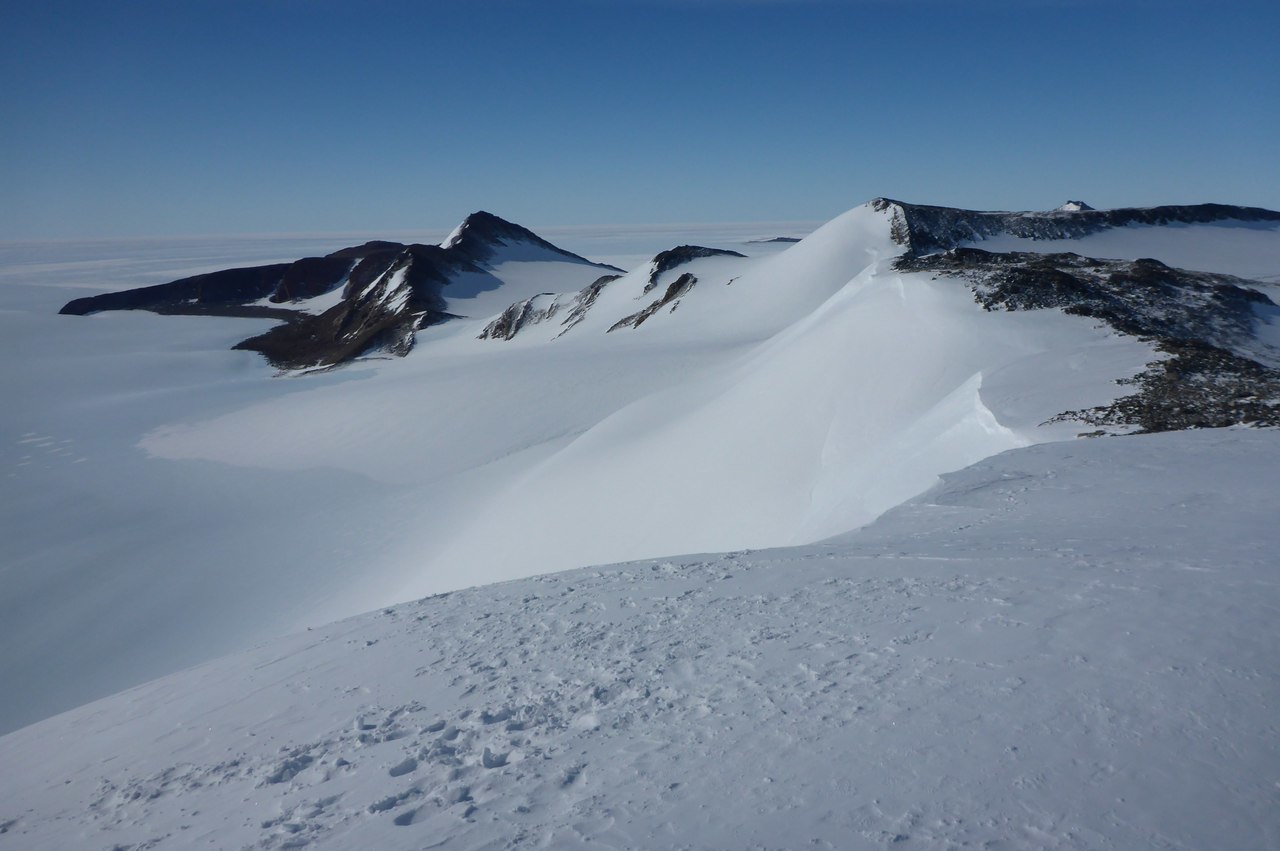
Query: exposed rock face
[[544, 307], [1144, 298], [1197, 386], [389, 290], [675, 290], [230, 288], [924, 229], [388, 296], [481, 233], [1217, 372], [667, 260], [574, 307]]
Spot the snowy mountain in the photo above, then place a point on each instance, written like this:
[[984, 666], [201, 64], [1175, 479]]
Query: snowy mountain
[[549, 413], [372, 298], [363, 300]]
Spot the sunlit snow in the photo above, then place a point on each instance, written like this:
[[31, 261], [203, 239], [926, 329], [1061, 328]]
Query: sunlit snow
[[1061, 643]]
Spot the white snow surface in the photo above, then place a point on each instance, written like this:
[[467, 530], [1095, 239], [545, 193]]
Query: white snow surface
[[167, 500], [1070, 645]]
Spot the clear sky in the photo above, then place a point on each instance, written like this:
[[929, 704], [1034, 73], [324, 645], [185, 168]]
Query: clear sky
[[245, 116]]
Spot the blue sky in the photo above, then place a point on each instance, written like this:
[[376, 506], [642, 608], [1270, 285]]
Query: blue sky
[[190, 117]]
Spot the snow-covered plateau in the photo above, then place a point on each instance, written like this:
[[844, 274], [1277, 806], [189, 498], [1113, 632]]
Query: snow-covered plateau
[[929, 612]]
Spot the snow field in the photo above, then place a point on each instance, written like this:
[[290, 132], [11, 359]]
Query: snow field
[[1063, 646]]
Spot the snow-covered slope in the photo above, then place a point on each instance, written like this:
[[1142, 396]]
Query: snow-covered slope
[[701, 401], [1070, 645]]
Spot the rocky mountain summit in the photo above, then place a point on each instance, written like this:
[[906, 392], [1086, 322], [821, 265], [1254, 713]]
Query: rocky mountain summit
[[1216, 371]]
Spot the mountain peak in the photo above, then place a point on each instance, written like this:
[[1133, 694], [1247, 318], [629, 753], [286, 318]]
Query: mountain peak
[[484, 227], [480, 233], [1073, 207]]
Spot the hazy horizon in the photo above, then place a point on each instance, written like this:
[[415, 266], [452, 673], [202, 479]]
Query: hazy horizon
[[158, 119]]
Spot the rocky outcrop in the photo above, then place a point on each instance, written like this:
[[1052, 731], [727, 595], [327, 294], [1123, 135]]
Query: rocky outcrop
[[199, 294], [1143, 298], [1196, 386], [574, 307], [545, 307], [924, 229], [672, 258], [674, 291], [482, 233], [382, 307], [1216, 372], [389, 290]]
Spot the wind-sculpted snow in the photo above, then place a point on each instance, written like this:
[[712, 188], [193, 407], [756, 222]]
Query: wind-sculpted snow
[[1065, 646]]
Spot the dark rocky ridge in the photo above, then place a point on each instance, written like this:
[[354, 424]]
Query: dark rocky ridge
[[544, 307], [923, 229], [388, 296], [1217, 373], [1142, 298], [675, 290], [665, 261], [197, 294], [481, 232], [1197, 386], [390, 290]]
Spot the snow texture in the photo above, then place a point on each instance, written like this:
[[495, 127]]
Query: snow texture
[[1069, 645], [1061, 644]]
